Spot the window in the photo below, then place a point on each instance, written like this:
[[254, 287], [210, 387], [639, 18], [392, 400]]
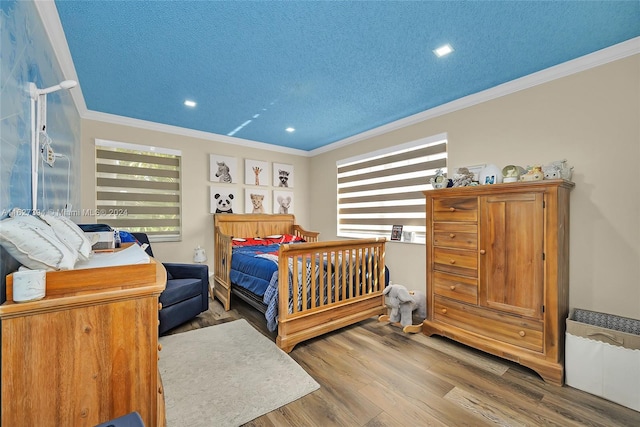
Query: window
[[138, 189], [384, 188]]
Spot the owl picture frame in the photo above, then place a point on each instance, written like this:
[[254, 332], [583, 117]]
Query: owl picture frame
[[283, 175]]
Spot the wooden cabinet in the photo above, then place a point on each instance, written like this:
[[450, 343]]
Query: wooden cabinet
[[84, 354], [498, 270]]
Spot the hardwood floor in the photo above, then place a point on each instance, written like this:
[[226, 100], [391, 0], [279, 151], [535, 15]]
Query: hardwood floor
[[372, 374]]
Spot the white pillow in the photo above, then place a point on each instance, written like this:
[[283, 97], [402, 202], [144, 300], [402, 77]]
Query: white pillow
[[69, 233], [34, 244]]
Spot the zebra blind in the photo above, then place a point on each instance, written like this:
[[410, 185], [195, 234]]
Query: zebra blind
[[138, 189], [384, 188]]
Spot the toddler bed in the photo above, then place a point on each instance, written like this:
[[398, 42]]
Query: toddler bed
[[304, 287]]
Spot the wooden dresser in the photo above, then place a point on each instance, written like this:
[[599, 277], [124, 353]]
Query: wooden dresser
[[498, 270], [87, 352]]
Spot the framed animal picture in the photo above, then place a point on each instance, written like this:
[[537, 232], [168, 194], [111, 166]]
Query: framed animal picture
[[224, 199], [282, 202], [256, 201], [282, 175], [256, 172], [223, 169]]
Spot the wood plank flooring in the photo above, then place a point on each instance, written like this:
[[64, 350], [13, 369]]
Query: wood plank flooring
[[372, 374]]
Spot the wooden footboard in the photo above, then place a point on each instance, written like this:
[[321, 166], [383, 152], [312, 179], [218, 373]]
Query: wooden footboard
[[331, 284]]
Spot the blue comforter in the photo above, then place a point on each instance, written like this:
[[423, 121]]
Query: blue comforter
[[251, 271]]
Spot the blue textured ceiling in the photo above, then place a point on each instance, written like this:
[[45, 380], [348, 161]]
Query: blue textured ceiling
[[331, 70]]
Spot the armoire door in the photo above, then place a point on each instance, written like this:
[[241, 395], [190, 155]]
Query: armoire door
[[511, 253]]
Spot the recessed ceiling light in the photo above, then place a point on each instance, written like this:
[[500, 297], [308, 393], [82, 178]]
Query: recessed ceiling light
[[190, 103], [290, 129], [443, 50]]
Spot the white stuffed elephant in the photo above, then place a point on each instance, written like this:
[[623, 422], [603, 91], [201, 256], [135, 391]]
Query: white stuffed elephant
[[403, 303]]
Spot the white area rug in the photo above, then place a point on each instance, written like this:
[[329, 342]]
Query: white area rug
[[227, 375]]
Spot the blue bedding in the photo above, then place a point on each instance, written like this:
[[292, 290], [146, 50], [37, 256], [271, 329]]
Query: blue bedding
[[250, 271]]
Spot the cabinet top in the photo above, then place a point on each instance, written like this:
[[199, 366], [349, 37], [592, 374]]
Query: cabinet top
[[74, 288], [502, 188]]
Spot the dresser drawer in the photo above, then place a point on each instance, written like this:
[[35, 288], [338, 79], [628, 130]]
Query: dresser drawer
[[455, 235], [455, 209], [495, 325], [456, 287], [456, 261]]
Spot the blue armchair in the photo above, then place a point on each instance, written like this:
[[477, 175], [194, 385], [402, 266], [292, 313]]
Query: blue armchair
[[186, 294]]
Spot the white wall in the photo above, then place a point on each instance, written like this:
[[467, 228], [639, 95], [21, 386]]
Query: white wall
[[591, 118], [197, 222]]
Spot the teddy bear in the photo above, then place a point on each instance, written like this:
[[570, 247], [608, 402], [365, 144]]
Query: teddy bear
[[285, 203], [224, 203], [402, 304]]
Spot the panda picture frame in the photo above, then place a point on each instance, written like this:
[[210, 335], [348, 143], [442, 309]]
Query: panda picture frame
[[224, 199]]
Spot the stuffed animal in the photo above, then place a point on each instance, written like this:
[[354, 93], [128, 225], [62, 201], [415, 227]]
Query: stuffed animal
[[402, 304], [559, 169]]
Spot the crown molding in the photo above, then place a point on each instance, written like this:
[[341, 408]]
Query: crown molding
[[176, 130]]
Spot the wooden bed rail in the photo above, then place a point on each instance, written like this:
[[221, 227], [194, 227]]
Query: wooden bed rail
[[331, 284], [324, 286]]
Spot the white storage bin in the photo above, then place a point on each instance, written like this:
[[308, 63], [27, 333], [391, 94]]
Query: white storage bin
[[603, 356]]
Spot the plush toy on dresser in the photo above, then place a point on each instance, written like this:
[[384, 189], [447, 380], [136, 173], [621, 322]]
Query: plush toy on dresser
[[402, 304]]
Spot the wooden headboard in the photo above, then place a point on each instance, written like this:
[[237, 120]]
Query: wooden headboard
[[254, 225]]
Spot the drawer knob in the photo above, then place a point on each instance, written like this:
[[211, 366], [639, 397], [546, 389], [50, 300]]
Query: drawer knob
[[482, 252], [452, 287], [452, 261], [521, 333], [159, 306], [444, 311], [452, 209], [159, 347], [452, 235]]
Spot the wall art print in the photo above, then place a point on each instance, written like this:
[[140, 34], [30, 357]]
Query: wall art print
[[256, 201], [223, 169], [224, 199], [256, 172], [282, 175], [282, 202]]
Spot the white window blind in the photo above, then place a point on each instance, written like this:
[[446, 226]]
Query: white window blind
[[138, 189], [384, 188]]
